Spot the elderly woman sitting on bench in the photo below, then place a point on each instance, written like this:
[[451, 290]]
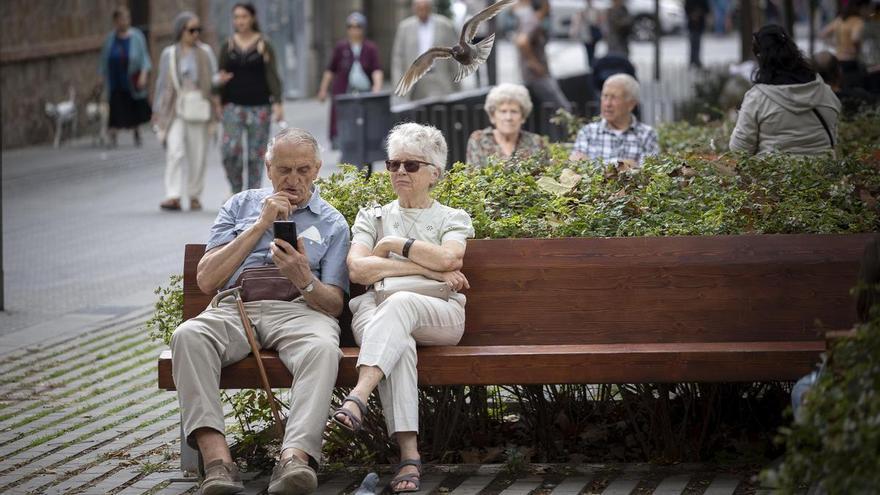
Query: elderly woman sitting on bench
[[413, 235]]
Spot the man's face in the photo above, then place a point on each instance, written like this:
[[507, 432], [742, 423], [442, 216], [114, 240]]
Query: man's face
[[294, 169], [616, 103], [422, 9]]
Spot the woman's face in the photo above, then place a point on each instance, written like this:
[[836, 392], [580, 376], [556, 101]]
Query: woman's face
[[122, 21], [416, 183], [242, 20], [192, 31], [355, 31], [508, 118]]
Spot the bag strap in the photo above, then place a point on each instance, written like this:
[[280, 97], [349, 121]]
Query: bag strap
[[174, 81], [377, 214], [825, 125]]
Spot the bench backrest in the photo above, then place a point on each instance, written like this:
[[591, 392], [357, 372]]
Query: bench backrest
[[646, 289]]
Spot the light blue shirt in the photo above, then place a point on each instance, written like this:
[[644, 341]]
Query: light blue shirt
[[323, 229]]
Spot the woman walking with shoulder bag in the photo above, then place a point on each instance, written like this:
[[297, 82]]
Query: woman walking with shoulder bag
[[183, 109]]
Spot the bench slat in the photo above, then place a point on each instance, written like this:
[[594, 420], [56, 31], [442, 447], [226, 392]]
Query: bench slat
[[596, 363]]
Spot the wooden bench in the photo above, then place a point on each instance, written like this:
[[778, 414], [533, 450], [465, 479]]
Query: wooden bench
[[621, 310]]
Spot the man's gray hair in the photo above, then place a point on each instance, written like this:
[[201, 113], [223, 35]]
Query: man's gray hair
[[509, 93], [295, 136], [418, 140], [628, 82]]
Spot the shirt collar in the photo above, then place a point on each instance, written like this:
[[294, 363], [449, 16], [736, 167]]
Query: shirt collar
[[314, 203], [633, 122]]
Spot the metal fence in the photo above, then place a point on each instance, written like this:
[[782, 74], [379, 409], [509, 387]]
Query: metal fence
[[365, 119]]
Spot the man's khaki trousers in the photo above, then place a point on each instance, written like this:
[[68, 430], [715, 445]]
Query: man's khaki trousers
[[307, 342]]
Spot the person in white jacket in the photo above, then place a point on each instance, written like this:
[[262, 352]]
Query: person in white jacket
[[790, 109]]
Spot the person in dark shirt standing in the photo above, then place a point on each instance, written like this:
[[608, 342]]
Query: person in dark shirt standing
[[696, 11], [250, 94], [354, 67]]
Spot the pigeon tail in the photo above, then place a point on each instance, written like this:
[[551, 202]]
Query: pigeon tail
[[483, 49]]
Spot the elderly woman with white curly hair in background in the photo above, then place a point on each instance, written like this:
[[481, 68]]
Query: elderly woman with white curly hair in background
[[508, 106], [413, 235]]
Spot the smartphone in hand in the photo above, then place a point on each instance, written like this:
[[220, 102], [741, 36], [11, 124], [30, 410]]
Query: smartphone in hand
[[285, 230]]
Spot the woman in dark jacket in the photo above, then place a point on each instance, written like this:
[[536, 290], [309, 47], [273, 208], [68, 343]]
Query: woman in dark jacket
[[354, 67], [250, 94], [124, 68]]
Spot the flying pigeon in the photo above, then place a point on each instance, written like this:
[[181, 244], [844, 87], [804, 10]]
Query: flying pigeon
[[467, 55]]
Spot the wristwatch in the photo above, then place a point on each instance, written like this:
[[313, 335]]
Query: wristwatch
[[308, 288]]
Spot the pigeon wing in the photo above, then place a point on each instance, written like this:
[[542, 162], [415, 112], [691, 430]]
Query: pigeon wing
[[419, 67], [470, 27]]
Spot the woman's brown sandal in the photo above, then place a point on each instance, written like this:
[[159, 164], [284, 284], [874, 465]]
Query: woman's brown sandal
[[354, 423], [414, 478]]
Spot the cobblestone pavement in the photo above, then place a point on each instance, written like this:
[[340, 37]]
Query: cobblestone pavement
[[82, 415]]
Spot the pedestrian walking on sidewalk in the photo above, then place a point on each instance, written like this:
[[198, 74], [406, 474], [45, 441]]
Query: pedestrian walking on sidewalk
[[184, 110], [586, 27], [531, 41], [846, 32], [417, 34], [354, 67], [619, 29], [696, 11], [124, 69], [250, 93]]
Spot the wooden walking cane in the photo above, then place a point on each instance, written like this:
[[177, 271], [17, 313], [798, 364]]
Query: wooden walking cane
[[252, 340]]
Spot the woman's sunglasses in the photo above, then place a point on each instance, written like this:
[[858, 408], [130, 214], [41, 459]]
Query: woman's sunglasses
[[194, 30], [411, 166]]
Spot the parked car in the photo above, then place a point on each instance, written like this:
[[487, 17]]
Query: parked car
[[672, 18]]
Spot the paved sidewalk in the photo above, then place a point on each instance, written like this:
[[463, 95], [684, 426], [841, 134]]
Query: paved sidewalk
[[82, 415]]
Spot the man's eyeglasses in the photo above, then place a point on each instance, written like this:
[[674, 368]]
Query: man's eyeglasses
[[411, 166], [354, 26], [194, 30]]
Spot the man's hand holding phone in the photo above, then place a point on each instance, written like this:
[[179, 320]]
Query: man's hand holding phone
[[289, 254]]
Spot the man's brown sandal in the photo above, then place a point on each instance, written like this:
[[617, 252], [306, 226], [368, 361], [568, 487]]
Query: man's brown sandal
[[355, 423], [414, 478]]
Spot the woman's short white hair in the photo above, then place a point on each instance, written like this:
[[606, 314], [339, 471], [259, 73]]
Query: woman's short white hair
[[418, 140], [627, 82], [507, 93]]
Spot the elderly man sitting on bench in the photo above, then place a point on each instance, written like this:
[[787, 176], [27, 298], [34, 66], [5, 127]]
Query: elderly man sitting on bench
[[303, 329]]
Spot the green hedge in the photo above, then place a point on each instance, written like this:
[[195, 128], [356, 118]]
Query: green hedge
[[673, 194], [837, 441]]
